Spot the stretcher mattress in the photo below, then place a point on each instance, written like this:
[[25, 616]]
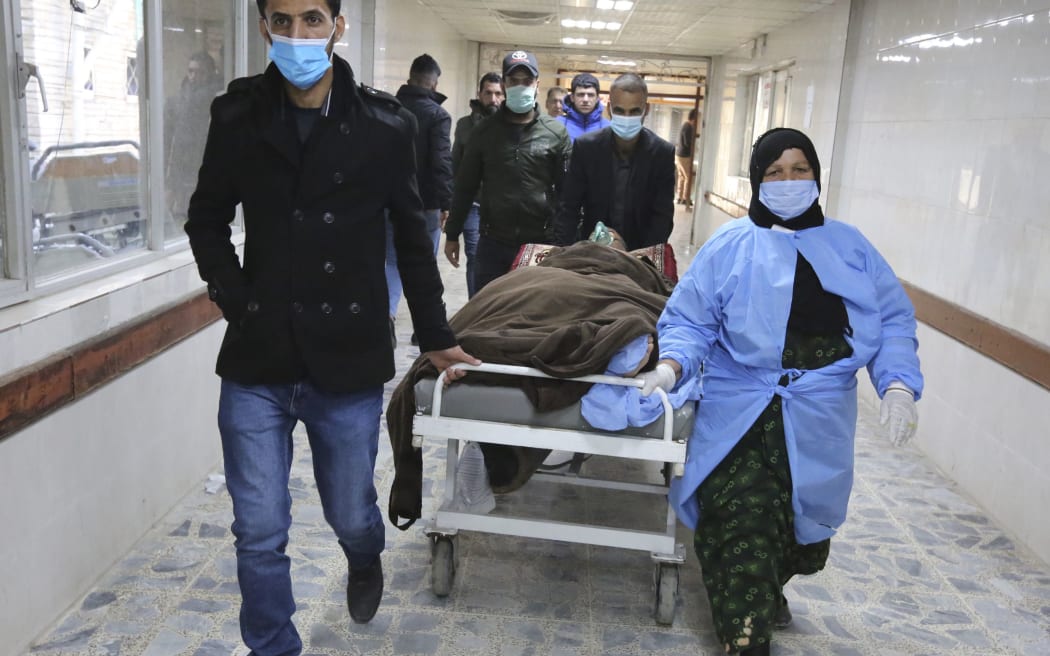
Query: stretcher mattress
[[510, 405]]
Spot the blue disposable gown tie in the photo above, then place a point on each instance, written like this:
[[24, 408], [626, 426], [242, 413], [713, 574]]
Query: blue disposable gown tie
[[730, 312]]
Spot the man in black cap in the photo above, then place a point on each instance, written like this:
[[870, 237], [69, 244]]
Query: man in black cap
[[583, 107], [517, 158]]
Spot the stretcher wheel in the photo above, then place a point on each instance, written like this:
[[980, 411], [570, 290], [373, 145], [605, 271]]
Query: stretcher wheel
[[666, 593], [442, 566]]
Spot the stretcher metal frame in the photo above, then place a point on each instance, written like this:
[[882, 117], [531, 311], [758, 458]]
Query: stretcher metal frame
[[444, 525]]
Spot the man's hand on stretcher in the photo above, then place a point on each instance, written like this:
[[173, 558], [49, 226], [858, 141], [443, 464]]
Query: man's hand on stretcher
[[452, 251], [442, 360]]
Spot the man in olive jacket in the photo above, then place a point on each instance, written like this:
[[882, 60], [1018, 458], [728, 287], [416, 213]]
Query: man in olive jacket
[[313, 160], [520, 155]]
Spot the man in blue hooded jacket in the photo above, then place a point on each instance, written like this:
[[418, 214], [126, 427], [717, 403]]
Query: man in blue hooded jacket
[[583, 107]]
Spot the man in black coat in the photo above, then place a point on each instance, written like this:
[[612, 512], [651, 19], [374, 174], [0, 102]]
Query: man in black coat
[[433, 148], [622, 175], [314, 161]]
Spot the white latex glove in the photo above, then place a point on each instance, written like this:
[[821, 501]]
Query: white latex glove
[[663, 376], [899, 413]]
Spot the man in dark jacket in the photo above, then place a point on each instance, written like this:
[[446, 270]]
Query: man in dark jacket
[[314, 161], [582, 107], [490, 97], [520, 155], [433, 150], [622, 175], [684, 160]]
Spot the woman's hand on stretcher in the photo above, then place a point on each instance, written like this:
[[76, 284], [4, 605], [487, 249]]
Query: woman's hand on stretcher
[[442, 360]]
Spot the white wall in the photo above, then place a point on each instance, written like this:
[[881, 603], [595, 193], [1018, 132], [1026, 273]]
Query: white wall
[[944, 144], [79, 487], [816, 44], [404, 30]]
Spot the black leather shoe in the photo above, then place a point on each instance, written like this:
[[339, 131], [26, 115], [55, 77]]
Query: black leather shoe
[[364, 589], [756, 651], [782, 619]]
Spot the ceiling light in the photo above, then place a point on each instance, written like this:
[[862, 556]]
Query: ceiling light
[[568, 22], [605, 61], [613, 26], [605, 42], [623, 5], [583, 24], [574, 41], [598, 25], [605, 4]]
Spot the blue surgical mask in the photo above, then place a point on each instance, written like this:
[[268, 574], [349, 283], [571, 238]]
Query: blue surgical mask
[[301, 61], [788, 198], [521, 99], [626, 127]]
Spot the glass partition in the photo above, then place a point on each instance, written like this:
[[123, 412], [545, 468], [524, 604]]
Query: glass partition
[[84, 132], [196, 39]]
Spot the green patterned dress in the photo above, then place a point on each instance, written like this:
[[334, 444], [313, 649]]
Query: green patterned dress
[[745, 539]]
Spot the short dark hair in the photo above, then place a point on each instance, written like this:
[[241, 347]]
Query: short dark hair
[[554, 90], [424, 66], [492, 77], [692, 114], [585, 80], [631, 83], [334, 5]]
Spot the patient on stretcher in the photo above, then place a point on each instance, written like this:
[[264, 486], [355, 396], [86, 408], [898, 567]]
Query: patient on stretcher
[[568, 313]]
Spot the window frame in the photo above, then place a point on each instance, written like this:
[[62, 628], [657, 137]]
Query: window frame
[[18, 279]]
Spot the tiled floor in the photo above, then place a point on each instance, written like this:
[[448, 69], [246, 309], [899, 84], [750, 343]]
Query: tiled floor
[[917, 569]]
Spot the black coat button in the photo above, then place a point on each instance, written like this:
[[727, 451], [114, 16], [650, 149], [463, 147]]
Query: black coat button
[[326, 309], [329, 267], [297, 307], [297, 215], [337, 177], [355, 308], [344, 127], [328, 217], [253, 306]]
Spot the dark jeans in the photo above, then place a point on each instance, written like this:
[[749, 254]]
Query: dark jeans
[[494, 259]]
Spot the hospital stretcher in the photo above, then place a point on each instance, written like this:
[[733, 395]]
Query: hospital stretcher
[[504, 415]]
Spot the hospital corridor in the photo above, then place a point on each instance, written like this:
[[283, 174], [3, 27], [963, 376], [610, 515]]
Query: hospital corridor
[[917, 133]]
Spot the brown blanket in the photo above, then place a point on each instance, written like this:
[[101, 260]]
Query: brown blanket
[[567, 317]]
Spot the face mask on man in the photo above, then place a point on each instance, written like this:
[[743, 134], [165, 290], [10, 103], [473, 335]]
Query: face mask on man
[[788, 198], [521, 99], [301, 61], [626, 127]]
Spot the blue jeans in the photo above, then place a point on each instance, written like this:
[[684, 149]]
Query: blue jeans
[[393, 278], [256, 425], [471, 232]]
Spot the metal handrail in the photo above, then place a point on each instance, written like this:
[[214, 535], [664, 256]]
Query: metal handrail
[[516, 370]]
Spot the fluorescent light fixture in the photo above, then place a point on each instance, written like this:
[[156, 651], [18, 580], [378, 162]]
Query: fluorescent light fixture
[[613, 27], [568, 22], [605, 4], [605, 42], [583, 24], [621, 63], [574, 41], [623, 5], [598, 25]]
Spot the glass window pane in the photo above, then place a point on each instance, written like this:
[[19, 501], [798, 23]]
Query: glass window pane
[[197, 36], [85, 178], [3, 215]]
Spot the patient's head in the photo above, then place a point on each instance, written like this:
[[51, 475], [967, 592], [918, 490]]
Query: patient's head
[[606, 236]]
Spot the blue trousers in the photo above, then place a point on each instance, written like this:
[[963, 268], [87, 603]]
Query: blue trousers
[[471, 234], [256, 424], [393, 278]]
